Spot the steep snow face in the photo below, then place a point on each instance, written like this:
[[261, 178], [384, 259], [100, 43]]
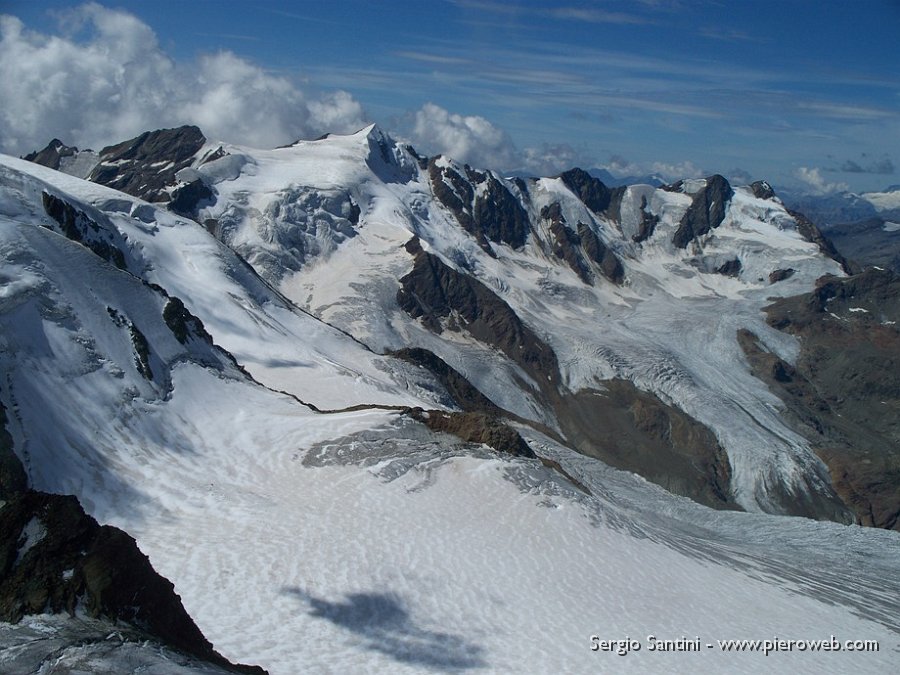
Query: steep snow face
[[278, 344], [668, 323]]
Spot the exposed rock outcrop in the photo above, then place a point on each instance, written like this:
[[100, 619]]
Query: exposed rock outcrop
[[781, 275], [13, 480], [498, 214], [189, 198], [476, 427], [813, 234], [648, 223], [55, 558], [634, 430], [79, 226], [51, 155], [596, 250], [706, 212], [730, 268], [463, 392], [593, 193], [184, 325], [566, 243], [762, 190], [145, 166], [433, 291], [493, 215]]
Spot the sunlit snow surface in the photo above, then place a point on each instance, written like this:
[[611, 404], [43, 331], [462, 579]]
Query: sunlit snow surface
[[334, 544], [670, 329], [359, 542]]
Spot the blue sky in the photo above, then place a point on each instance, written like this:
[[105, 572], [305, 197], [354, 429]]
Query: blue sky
[[799, 92]]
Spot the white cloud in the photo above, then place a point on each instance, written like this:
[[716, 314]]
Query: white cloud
[[477, 141], [471, 139], [115, 82], [812, 180], [552, 159], [677, 171]]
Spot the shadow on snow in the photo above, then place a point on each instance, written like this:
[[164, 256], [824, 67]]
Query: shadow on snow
[[386, 627]]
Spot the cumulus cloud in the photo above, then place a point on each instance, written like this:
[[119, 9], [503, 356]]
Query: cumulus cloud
[[107, 79], [471, 139], [739, 176], [476, 141], [814, 182], [677, 171], [620, 166], [551, 159]]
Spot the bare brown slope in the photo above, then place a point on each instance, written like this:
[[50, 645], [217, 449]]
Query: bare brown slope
[[843, 393]]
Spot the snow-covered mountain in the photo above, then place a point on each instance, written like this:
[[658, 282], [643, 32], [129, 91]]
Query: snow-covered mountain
[[342, 391]]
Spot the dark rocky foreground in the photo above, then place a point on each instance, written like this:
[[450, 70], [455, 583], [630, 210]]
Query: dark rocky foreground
[[100, 596], [56, 559]]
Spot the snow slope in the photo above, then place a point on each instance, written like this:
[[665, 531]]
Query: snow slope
[[279, 345], [359, 541]]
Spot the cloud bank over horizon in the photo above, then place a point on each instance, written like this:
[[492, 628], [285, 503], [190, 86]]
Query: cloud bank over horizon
[[106, 79], [101, 75]]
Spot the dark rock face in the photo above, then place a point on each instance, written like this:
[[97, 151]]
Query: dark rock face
[[762, 190], [577, 248], [843, 393], [566, 243], [80, 227], [730, 268], [187, 199], [433, 291], [648, 223], [633, 430], [499, 215], [781, 275], [146, 165], [51, 155], [706, 212], [596, 196], [813, 234], [138, 341], [184, 325], [596, 250], [13, 480], [464, 393], [476, 427], [677, 186], [496, 215], [54, 557]]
